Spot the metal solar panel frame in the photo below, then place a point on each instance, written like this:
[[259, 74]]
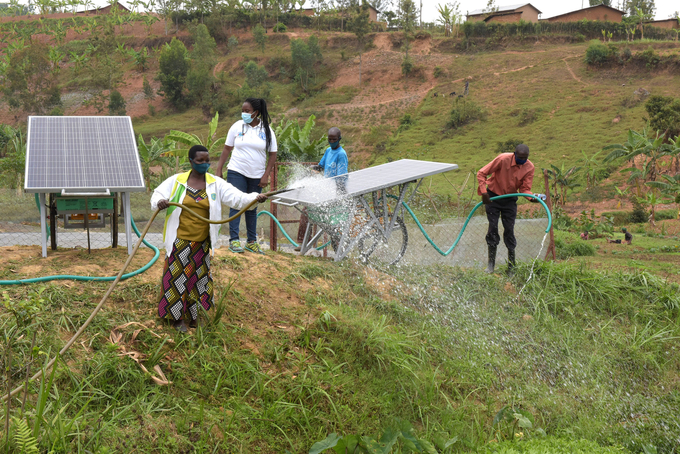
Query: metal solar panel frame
[[297, 196], [92, 189], [373, 211]]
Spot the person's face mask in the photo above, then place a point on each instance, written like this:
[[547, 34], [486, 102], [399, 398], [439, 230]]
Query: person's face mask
[[334, 145], [200, 168], [247, 118], [519, 161]]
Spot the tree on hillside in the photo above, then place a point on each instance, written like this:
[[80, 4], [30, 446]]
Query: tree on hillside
[[361, 26], [172, 74], [200, 77], [260, 37], [256, 85], [664, 114], [646, 6], [407, 16], [304, 56], [600, 2], [29, 83]]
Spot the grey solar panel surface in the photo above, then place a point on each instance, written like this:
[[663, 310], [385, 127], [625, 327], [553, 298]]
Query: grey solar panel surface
[[85, 154], [364, 181]]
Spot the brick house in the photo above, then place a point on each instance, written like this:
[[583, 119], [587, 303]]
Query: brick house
[[103, 10], [511, 13], [665, 23], [597, 12]]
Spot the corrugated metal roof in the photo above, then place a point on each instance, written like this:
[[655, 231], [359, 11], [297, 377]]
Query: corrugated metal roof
[[501, 9]]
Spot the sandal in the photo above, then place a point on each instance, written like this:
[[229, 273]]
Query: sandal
[[181, 326]]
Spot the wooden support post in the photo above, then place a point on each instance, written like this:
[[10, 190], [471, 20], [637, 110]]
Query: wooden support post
[[548, 201], [273, 207]]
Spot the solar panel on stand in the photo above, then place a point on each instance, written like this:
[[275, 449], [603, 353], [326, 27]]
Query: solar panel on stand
[[85, 154], [364, 181]]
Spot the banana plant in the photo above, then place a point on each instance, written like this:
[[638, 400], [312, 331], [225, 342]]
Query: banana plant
[[590, 165], [153, 154], [296, 144], [56, 57], [670, 187], [621, 194], [78, 61], [185, 140]]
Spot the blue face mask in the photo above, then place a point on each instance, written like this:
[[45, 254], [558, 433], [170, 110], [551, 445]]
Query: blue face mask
[[519, 162], [334, 145], [200, 168], [246, 117]]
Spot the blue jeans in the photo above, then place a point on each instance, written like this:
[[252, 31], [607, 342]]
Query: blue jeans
[[247, 185]]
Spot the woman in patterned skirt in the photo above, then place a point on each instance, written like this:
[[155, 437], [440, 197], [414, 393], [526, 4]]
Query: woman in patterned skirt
[[186, 275]]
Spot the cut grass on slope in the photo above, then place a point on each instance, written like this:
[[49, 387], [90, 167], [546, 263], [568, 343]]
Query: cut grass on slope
[[583, 352]]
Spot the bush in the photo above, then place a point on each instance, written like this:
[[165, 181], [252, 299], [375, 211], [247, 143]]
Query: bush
[[527, 116], [464, 112], [564, 250], [174, 66], [650, 57], [280, 28], [116, 103], [508, 146], [580, 38], [639, 214], [407, 65], [664, 114], [438, 72], [663, 215], [232, 43], [405, 122], [598, 54]]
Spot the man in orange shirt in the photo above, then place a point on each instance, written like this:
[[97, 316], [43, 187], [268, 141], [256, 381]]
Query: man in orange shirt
[[508, 173]]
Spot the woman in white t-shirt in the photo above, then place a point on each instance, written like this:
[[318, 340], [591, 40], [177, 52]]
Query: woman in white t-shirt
[[252, 146]]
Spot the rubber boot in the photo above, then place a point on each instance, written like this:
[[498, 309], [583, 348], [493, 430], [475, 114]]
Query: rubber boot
[[511, 262], [492, 260]]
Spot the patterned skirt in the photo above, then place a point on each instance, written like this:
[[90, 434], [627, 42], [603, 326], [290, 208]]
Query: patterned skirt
[[186, 279]]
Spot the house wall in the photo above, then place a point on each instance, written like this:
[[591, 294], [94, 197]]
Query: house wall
[[600, 13], [477, 17], [529, 13], [506, 18], [372, 14], [667, 24]]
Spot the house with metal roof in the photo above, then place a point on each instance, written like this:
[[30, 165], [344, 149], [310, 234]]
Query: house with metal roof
[[598, 12], [510, 13]]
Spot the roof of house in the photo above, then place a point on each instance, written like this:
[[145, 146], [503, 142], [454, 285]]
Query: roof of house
[[584, 9], [508, 13], [672, 19], [502, 9]]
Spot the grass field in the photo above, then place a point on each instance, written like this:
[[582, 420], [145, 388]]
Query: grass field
[[586, 355]]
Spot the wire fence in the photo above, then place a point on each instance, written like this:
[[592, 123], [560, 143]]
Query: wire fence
[[20, 226]]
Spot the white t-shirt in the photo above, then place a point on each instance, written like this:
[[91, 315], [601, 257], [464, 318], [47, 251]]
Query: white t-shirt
[[248, 156]]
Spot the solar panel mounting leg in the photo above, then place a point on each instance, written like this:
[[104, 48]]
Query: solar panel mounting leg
[[43, 224], [127, 212]]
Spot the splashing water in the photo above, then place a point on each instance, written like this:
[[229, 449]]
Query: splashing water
[[533, 263]]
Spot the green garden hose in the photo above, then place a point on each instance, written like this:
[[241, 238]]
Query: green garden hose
[[286, 233], [117, 279], [92, 278], [467, 220]]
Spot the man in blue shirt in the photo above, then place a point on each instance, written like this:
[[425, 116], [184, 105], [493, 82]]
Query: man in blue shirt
[[333, 163]]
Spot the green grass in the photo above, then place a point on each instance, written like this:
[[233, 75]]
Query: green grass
[[444, 349]]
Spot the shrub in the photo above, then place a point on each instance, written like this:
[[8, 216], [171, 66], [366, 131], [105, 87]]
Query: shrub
[[405, 122], [280, 28], [663, 215], [232, 43], [148, 90], [650, 57], [438, 71], [579, 249], [638, 214], [152, 110], [580, 38], [260, 37], [664, 114], [464, 112], [174, 66], [116, 103], [527, 116], [407, 65], [597, 54], [508, 146]]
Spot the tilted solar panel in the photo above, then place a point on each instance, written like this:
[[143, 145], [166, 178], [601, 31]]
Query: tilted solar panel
[[321, 191], [86, 154]]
